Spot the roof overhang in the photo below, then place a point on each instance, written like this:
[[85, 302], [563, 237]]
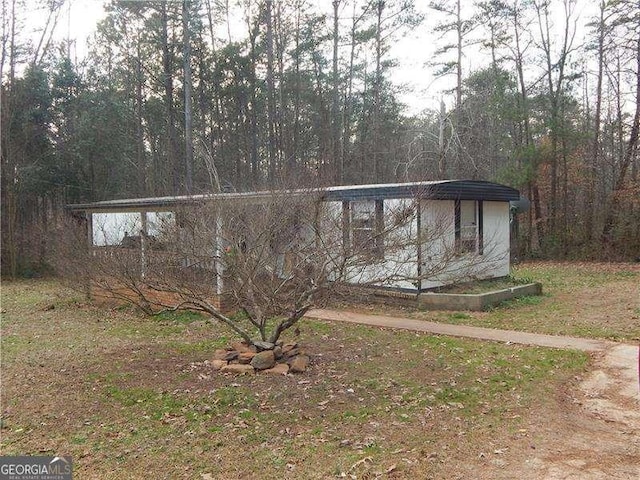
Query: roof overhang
[[435, 190]]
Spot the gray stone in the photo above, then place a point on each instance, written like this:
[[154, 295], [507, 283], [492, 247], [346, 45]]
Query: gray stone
[[277, 351], [263, 360], [264, 345]]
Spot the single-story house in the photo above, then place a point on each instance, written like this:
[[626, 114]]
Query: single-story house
[[460, 229]]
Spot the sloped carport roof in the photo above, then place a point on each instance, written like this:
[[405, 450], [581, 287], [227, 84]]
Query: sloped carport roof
[[435, 190]]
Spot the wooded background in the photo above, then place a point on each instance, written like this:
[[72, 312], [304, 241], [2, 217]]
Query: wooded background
[[168, 101]]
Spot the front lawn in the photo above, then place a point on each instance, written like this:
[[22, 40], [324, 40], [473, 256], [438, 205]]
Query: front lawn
[[134, 397]]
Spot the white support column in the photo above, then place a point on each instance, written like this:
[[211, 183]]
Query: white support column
[[87, 281], [89, 220], [143, 244], [219, 264]]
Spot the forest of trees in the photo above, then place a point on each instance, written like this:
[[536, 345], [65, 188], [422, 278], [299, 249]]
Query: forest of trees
[[193, 96]]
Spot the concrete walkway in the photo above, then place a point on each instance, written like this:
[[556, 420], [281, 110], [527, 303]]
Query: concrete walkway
[[508, 336]]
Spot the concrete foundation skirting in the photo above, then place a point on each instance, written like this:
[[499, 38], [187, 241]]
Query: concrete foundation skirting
[[475, 302]]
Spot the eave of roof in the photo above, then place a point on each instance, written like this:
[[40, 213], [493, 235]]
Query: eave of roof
[[437, 190]]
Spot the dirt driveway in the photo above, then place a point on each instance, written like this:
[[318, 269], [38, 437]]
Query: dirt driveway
[[597, 435]]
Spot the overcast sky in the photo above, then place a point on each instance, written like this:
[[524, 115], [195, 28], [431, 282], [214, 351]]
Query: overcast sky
[[413, 51]]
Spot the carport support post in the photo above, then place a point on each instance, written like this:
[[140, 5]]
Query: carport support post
[[143, 244], [219, 267], [419, 243], [89, 227]]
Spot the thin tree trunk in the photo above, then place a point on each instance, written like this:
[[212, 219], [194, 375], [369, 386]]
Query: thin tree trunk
[[283, 153], [630, 151], [345, 144], [590, 206], [9, 160], [5, 36], [337, 160], [253, 118], [442, 146], [375, 133], [188, 109], [545, 37], [460, 35], [167, 66], [296, 104], [140, 152], [271, 108]]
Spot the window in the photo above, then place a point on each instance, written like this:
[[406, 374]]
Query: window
[[364, 226], [115, 228], [468, 226], [126, 229]]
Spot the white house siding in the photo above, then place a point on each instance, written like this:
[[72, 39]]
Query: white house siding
[[441, 265], [497, 234], [399, 267]]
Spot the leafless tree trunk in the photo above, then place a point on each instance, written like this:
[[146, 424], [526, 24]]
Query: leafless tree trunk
[[7, 21], [338, 160], [555, 87], [443, 119], [188, 109], [44, 42], [253, 82], [595, 160], [167, 75], [630, 152], [9, 191], [141, 158], [459, 40], [345, 144], [377, 85], [298, 86], [271, 106]]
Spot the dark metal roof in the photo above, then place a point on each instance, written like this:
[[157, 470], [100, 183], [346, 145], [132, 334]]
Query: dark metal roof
[[436, 190]]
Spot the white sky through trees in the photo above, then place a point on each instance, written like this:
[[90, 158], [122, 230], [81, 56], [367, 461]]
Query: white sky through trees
[[413, 51]]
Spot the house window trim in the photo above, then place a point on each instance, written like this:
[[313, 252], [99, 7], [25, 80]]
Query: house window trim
[[348, 226], [479, 232]]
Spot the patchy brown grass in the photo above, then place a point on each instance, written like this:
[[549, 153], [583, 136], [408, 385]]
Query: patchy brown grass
[[132, 397]]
